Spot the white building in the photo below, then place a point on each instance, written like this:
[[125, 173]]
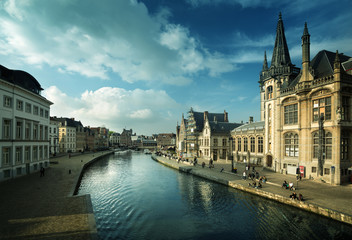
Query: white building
[[24, 124]]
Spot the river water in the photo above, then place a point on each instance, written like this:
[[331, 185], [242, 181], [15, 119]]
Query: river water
[[135, 197]]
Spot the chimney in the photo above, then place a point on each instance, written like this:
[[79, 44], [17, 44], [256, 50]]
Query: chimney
[[205, 115], [226, 116], [250, 119]]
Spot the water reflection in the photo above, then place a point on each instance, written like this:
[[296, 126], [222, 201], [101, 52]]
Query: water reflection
[[137, 198]]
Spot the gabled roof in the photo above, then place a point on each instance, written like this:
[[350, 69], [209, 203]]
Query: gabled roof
[[222, 127], [69, 122], [20, 78], [323, 63], [199, 118]]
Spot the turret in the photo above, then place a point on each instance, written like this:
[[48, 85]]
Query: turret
[[305, 53]]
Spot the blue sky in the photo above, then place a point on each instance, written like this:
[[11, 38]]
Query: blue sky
[[141, 64]]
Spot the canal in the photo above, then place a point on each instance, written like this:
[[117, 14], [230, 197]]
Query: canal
[[135, 197]]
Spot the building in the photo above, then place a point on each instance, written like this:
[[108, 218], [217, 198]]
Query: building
[[67, 135], [248, 142], [114, 139], [307, 112], [125, 138], [205, 134], [24, 120], [54, 137], [166, 140]]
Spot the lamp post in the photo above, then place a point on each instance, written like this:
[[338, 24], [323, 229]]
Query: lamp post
[[320, 146]]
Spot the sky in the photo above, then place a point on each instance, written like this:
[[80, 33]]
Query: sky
[[141, 64]]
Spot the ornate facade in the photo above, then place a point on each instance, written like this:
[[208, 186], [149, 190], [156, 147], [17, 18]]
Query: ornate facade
[[306, 112]]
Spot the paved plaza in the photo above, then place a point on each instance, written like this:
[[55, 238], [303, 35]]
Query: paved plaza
[[34, 207]]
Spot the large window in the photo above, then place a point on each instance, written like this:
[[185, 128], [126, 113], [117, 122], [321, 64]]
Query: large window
[[252, 144], [7, 101], [291, 145], [27, 131], [239, 143], [245, 144], [291, 114], [326, 145], [260, 145], [18, 130], [345, 109], [322, 106], [344, 145], [6, 156], [18, 155], [6, 134], [269, 92]]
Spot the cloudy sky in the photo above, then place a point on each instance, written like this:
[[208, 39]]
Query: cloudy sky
[[140, 64]]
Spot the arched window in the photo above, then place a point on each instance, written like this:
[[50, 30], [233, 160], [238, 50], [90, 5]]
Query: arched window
[[269, 92], [239, 147], [245, 144], [326, 145], [260, 145], [291, 145]]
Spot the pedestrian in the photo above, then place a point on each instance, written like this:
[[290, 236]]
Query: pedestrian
[[203, 164], [222, 169], [244, 175]]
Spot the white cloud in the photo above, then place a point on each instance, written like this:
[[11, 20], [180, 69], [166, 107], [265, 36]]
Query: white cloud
[[94, 39], [117, 108]]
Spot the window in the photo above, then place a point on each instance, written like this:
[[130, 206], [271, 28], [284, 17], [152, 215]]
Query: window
[[245, 144], [260, 145], [7, 101], [28, 108], [35, 110], [19, 105], [6, 134], [40, 152], [291, 114], [291, 145], [345, 109], [314, 169], [252, 144], [18, 130], [215, 142], [224, 142], [269, 92], [344, 145], [27, 153], [42, 112], [239, 147], [41, 132], [326, 145], [326, 171], [6, 156], [322, 106], [46, 114], [18, 155], [35, 153], [35, 131], [27, 131]]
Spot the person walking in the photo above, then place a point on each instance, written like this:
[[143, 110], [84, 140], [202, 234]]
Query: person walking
[[244, 175]]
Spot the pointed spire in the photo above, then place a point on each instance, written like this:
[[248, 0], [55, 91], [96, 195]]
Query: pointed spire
[[305, 31], [265, 63], [281, 56]]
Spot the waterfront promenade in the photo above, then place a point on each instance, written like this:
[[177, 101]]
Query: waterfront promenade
[[321, 198], [34, 207]]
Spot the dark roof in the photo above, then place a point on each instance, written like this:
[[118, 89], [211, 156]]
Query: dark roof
[[323, 63], [20, 78], [69, 122], [222, 127], [199, 118], [281, 55]]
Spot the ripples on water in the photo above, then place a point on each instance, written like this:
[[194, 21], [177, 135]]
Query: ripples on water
[[136, 198]]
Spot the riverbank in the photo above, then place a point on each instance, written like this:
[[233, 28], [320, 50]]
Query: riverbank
[[323, 199], [34, 207]]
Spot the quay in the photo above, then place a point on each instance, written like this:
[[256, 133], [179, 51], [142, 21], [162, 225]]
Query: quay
[[34, 207], [320, 198]]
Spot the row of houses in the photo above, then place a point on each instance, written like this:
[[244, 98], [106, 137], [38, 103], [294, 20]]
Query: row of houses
[[305, 122]]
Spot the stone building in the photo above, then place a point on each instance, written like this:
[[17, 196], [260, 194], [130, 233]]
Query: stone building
[[165, 140], [248, 142], [125, 138], [306, 112], [24, 124], [204, 134]]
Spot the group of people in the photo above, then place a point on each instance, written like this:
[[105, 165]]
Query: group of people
[[288, 185], [255, 185], [294, 196]]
